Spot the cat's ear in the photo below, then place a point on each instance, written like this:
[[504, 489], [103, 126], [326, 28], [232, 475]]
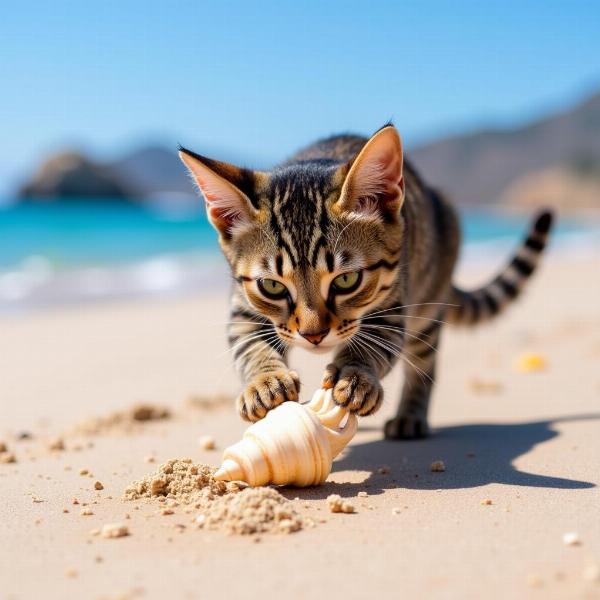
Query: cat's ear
[[226, 190], [373, 181]]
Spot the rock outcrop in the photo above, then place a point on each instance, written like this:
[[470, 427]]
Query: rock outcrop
[[70, 174]]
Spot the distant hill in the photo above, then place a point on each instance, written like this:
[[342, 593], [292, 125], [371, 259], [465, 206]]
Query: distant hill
[[70, 174], [479, 169], [151, 171]]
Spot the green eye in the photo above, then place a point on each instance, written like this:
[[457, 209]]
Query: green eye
[[347, 282], [272, 288]]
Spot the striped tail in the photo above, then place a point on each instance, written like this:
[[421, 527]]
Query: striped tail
[[488, 301]]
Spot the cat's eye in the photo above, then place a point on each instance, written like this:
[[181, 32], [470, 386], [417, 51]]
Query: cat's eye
[[346, 282], [272, 288]]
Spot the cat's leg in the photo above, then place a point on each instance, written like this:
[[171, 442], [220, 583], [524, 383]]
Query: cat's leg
[[357, 369], [259, 357], [420, 357]]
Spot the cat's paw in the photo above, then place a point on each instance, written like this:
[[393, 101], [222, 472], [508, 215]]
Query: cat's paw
[[266, 391], [354, 387], [406, 427]]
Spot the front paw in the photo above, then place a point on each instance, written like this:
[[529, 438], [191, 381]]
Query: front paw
[[266, 391], [354, 387]]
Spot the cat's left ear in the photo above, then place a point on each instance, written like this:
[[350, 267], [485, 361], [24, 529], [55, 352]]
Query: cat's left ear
[[374, 183], [227, 190]]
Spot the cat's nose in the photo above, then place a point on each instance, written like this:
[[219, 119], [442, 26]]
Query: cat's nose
[[315, 338]]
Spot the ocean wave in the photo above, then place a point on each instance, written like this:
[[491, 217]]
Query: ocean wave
[[37, 282]]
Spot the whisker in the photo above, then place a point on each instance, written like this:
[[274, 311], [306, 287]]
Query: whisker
[[403, 331], [246, 338], [385, 310], [366, 339], [354, 345], [418, 370], [401, 316], [384, 343], [251, 348]]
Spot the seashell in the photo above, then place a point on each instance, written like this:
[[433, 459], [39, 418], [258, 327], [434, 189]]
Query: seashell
[[294, 444]]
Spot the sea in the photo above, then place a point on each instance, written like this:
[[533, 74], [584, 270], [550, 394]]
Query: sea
[[73, 252]]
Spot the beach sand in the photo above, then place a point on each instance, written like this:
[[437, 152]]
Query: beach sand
[[521, 454]]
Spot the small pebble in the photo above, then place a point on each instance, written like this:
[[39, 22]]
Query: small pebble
[[486, 502], [483, 386], [7, 457], [207, 442], [199, 520], [3, 446], [98, 486], [362, 494], [86, 512], [56, 444], [337, 505], [531, 363], [437, 466], [571, 539], [114, 530], [395, 511], [149, 459], [83, 471]]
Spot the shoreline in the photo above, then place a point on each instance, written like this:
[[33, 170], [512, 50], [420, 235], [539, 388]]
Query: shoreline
[[37, 285]]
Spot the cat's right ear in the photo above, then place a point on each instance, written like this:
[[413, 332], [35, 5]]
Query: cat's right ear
[[226, 190]]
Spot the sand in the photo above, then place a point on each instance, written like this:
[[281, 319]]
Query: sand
[[520, 447]]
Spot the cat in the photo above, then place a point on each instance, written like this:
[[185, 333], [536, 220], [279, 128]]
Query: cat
[[344, 247]]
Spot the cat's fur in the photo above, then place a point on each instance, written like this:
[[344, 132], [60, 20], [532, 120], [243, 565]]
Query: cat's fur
[[346, 204]]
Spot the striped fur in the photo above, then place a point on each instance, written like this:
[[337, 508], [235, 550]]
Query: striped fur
[[345, 205], [484, 303]]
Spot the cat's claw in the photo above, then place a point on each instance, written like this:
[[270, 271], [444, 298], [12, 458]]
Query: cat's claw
[[267, 391], [354, 387], [406, 427]]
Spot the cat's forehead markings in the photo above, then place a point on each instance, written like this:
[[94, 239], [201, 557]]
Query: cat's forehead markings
[[326, 261], [287, 268], [346, 262]]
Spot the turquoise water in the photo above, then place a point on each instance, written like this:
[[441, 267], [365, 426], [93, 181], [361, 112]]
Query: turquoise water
[[73, 234]]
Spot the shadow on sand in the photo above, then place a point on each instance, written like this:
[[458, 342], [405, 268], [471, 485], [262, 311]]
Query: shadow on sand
[[475, 455]]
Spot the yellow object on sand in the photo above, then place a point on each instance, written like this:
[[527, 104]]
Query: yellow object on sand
[[531, 362], [294, 444]]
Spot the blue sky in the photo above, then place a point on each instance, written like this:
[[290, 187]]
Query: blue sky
[[259, 79]]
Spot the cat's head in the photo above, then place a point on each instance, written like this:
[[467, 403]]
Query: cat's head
[[314, 245]]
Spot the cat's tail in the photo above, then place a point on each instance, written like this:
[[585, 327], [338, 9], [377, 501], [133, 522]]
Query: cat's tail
[[471, 307]]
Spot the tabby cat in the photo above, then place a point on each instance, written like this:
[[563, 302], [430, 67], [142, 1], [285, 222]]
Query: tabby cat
[[344, 247]]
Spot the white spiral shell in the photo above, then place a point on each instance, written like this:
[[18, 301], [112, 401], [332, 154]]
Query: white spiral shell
[[294, 444]]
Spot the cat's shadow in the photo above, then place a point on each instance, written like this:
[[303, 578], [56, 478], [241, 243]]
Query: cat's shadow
[[474, 455]]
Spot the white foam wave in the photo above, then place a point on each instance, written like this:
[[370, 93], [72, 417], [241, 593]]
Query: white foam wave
[[37, 282]]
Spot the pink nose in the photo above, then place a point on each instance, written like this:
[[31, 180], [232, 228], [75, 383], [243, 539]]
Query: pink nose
[[315, 338]]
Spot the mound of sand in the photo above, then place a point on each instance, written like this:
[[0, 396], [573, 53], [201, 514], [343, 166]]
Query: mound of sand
[[228, 506]]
